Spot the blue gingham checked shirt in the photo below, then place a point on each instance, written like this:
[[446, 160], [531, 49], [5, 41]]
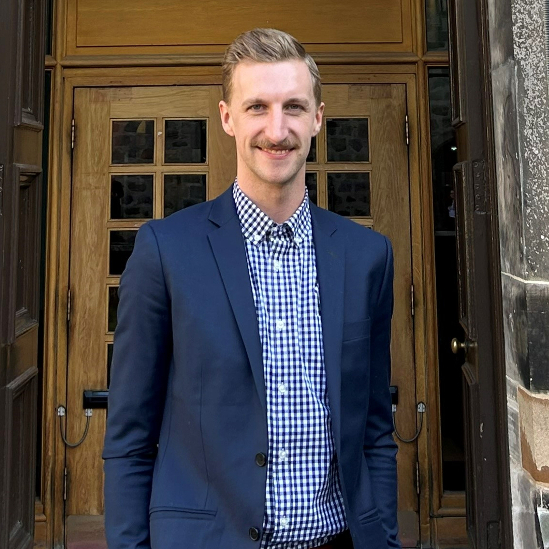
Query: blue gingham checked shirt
[[304, 505]]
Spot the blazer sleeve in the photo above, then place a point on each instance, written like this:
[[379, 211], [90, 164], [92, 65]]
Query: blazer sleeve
[[137, 392], [379, 445]]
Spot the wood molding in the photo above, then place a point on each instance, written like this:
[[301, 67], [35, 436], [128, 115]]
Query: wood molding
[[207, 59]]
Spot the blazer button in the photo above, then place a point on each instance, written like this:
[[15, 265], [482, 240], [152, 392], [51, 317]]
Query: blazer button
[[254, 533], [261, 459]]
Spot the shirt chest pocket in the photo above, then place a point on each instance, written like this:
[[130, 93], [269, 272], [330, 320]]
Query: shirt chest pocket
[[359, 329]]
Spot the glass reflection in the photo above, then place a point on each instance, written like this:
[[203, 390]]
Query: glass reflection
[[112, 308], [436, 22], [182, 191], [120, 248], [109, 362], [132, 141], [347, 140], [349, 193], [131, 196], [311, 184], [185, 142], [311, 157]]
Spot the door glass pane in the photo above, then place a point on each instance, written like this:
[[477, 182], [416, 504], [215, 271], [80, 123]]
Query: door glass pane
[[183, 190], [349, 193], [347, 140], [185, 142], [436, 21], [112, 308], [132, 141], [132, 196], [120, 248], [312, 151], [311, 184], [109, 362]]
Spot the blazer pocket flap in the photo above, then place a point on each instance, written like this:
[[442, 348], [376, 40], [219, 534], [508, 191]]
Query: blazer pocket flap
[[356, 330], [179, 513]]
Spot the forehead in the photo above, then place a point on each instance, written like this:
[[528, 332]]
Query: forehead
[[272, 80]]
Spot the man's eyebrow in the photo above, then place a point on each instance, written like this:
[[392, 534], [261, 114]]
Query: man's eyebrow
[[253, 101], [301, 100], [258, 101]]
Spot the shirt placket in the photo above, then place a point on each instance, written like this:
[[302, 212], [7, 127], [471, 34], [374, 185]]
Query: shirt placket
[[283, 331]]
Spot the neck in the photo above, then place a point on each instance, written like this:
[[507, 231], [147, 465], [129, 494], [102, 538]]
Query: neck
[[279, 202]]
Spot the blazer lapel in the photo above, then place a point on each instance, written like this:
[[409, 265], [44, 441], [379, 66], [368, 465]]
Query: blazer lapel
[[330, 263], [229, 250]]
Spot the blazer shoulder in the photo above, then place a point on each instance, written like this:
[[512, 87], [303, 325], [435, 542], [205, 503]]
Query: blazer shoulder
[[357, 236], [188, 221]]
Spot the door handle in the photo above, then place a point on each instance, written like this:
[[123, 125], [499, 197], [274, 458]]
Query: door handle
[[458, 345]]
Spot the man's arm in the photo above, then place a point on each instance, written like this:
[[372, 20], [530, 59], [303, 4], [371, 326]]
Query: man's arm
[[379, 445], [142, 351]]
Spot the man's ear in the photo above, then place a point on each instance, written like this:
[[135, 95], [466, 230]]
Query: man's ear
[[318, 119], [226, 119]]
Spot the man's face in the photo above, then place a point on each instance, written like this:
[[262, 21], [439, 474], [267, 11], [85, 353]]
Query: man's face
[[272, 115]]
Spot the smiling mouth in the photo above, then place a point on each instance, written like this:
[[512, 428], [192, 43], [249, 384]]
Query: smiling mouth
[[276, 152]]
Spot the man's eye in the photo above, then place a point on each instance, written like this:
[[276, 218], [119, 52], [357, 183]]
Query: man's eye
[[295, 107], [256, 107]]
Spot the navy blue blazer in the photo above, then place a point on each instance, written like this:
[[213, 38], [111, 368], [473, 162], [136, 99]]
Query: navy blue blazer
[[187, 409]]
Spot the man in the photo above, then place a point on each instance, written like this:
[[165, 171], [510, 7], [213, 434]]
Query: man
[[249, 402]]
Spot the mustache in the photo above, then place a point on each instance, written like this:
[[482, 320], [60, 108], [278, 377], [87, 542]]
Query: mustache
[[286, 144]]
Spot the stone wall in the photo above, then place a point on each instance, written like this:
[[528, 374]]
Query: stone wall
[[521, 132]]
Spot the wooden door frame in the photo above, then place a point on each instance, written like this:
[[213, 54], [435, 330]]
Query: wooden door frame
[[412, 74], [472, 89]]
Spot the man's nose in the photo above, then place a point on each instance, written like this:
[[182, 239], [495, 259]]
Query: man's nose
[[276, 129]]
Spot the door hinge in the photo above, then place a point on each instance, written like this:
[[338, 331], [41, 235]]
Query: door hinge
[[65, 482], [73, 133], [418, 484], [412, 300], [69, 305], [407, 130]]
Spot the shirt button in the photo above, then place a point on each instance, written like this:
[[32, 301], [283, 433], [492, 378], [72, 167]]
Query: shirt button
[[282, 455], [280, 325], [282, 389], [257, 238], [276, 265], [297, 240], [261, 459], [254, 533], [284, 522]]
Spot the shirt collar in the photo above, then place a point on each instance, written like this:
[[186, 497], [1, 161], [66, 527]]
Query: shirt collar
[[257, 226]]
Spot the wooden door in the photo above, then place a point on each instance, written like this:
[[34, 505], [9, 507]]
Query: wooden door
[[21, 93], [143, 153], [480, 310]]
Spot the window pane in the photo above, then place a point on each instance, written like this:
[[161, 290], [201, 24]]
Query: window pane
[[436, 20], [311, 184], [183, 190], [131, 196], [121, 247], [443, 149], [113, 308], [133, 141], [185, 142], [312, 151], [349, 193], [347, 140], [109, 362]]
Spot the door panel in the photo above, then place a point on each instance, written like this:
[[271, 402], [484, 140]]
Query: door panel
[[21, 93], [143, 153], [484, 390]]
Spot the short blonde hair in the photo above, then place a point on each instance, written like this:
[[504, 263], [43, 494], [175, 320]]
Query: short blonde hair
[[266, 46]]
